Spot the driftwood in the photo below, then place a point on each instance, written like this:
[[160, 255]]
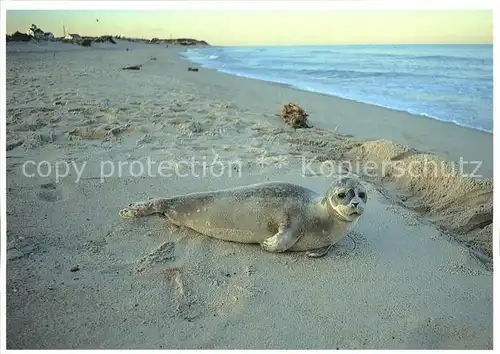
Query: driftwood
[[135, 67], [293, 115], [192, 69]]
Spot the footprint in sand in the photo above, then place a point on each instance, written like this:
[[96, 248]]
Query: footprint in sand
[[51, 192], [186, 305], [195, 290], [163, 254]]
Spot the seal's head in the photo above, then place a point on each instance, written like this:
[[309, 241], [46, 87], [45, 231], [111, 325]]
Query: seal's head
[[346, 198]]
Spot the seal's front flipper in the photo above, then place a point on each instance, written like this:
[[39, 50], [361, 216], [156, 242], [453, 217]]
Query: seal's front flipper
[[319, 252], [143, 208], [281, 241]]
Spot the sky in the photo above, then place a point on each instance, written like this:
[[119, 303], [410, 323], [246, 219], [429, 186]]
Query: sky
[[260, 27]]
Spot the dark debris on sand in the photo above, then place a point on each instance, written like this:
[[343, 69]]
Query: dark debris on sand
[[134, 67], [293, 115]]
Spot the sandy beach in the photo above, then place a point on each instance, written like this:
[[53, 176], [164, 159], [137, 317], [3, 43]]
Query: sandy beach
[[415, 273]]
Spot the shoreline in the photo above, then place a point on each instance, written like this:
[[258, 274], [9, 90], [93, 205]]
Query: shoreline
[[336, 96], [79, 276], [412, 138], [347, 99]]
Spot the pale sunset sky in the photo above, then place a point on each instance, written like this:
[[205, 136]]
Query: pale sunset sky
[[260, 27]]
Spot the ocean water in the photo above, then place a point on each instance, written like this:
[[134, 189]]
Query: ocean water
[[447, 82]]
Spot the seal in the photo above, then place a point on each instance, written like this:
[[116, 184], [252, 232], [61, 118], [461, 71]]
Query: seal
[[278, 216]]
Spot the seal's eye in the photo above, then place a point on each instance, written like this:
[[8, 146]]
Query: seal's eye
[[341, 195], [362, 195]]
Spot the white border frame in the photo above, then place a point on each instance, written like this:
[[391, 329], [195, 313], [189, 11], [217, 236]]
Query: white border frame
[[230, 5], [288, 5]]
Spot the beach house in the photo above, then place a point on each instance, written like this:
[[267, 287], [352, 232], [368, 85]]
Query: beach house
[[72, 36], [36, 33], [49, 36]]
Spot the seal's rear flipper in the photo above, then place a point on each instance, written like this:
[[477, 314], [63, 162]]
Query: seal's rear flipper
[[143, 208]]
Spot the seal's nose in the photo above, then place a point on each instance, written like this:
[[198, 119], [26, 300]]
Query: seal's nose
[[355, 203]]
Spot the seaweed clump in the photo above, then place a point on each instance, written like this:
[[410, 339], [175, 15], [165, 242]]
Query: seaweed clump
[[293, 115]]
